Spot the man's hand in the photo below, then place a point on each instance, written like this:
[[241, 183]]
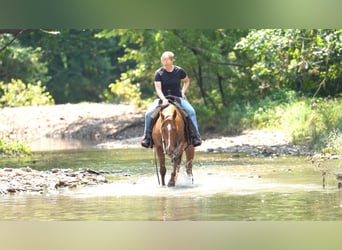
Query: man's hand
[[165, 102]]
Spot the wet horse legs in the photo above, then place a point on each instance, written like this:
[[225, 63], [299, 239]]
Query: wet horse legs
[[162, 168], [190, 152], [176, 165]]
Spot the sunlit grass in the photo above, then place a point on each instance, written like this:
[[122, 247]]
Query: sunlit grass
[[313, 121]]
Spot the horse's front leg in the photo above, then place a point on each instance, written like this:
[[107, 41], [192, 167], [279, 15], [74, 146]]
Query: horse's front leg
[[172, 181], [177, 158], [162, 168], [190, 154], [176, 161]]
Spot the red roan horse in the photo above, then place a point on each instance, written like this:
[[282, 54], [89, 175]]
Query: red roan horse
[[169, 139]]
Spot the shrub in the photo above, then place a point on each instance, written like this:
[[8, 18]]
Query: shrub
[[268, 112], [298, 119], [12, 148], [124, 92], [332, 143], [16, 93]]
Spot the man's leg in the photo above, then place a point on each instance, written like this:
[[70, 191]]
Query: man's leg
[[146, 141], [196, 139]]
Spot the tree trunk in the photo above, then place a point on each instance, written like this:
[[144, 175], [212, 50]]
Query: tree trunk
[[219, 81]]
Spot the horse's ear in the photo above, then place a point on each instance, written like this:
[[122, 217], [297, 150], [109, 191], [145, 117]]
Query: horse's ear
[[162, 116], [174, 115]]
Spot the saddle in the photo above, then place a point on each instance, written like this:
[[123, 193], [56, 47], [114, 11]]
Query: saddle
[[188, 127]]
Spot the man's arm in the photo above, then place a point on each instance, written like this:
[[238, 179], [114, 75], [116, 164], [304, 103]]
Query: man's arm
[[186, 85], [157, 86]]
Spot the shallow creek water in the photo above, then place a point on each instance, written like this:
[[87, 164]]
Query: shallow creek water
[[225, 187]]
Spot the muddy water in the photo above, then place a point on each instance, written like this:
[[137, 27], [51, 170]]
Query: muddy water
[[225, 188]]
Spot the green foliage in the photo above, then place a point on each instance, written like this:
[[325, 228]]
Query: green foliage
[[230, 121], [333, 142], [22, 62], [205, 54], [16, 93], [80, 65], [124, 92], [12, 148], [304, 60], [313, 120], [299, 120], [317, 121], [268, 112]]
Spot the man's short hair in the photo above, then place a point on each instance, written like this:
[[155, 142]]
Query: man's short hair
[[167, 54]]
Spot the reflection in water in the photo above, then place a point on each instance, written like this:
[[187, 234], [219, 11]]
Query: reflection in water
[[313, 205], [224, 188]]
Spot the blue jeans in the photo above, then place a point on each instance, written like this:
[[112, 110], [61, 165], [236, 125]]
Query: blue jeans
[[185, 104]]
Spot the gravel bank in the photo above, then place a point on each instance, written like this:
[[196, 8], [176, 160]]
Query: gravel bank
[[29, 180]]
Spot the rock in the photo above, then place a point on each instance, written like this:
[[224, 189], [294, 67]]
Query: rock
[[339, 176], [30, 180], [334, 157], [11, 190], [27, 169]]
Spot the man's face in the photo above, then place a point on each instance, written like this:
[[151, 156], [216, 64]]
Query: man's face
[[167, 62]]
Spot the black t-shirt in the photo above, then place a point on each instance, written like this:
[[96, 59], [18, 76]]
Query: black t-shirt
[[170, 81]]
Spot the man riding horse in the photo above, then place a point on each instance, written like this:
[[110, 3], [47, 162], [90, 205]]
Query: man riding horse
[[167, 81]]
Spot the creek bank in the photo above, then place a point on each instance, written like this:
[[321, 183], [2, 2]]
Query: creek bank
[[26, 180], [121, 126], [255, 143], [83, 121], [252, 143], [264, 151]]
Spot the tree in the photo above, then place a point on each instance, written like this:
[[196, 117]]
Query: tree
[[303, 60], [205, 54], [19, 62], [80, 65]]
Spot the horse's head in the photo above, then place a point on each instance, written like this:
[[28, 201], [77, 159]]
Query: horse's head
[[169, 129]]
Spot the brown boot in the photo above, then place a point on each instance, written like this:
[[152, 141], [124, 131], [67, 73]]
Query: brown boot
[[146, 141], [196, 140]]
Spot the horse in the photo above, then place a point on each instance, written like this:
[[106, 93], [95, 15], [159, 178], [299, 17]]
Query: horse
[[169, 139]]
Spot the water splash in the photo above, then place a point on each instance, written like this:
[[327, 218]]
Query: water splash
[[205, 184]]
